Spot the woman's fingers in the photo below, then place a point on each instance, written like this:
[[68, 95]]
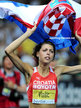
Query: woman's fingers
[[31, 30]]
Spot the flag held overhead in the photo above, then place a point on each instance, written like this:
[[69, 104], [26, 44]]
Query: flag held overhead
[[55, 21]]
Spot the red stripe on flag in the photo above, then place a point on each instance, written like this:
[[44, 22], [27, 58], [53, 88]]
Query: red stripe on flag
[[22, 22], [77, 26]]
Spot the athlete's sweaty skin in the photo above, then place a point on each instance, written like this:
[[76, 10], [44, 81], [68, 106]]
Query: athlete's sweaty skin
[[45, 55]]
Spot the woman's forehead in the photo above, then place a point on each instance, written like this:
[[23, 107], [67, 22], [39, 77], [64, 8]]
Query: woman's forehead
[[47, 46]]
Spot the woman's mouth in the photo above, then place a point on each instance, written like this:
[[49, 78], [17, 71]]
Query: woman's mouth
[[47, 58]]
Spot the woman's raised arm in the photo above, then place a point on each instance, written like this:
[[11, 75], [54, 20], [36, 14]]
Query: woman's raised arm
[[23, 67]]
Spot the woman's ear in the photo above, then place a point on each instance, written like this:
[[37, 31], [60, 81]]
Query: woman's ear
[[37, 54]]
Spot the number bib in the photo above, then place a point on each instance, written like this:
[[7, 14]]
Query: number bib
[[44, 96]]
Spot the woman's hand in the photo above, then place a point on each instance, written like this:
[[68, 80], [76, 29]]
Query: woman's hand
[[30, 31], [78, 37]]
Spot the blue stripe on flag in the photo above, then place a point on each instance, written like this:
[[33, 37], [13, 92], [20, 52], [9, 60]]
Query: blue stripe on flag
[[17, 4], [11, 19], [40, 36]]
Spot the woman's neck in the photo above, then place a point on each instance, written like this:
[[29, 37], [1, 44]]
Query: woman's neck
[[43, 69]]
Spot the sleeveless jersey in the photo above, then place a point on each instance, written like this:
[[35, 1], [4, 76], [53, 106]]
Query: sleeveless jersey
[[42, 90]]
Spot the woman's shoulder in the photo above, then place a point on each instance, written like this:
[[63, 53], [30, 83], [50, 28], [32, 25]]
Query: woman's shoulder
[[58, 69], [58, 66]]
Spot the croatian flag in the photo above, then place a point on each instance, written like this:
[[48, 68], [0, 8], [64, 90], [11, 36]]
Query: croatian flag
[[56, 21]]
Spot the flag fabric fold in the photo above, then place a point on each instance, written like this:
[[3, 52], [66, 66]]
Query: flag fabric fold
[[56, 21]]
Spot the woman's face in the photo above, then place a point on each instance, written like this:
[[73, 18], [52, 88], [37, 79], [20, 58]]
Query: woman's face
[[46, 53]]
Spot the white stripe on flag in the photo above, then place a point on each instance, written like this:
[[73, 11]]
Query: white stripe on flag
[[28, 14]]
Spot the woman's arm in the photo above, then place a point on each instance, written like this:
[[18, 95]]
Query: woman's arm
[[23, 67], [72, 69], [67, 69]]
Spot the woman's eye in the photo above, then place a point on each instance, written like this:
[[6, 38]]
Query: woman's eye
[[52, 51], [45, 50], [49, 50]]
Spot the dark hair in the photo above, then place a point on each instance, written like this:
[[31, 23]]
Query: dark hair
[[38, 47], [4, 57]]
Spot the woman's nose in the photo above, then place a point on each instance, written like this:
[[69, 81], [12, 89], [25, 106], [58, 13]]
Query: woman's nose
[[48, 52]]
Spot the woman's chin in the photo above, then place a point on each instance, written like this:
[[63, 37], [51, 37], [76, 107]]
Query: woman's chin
[[46, 62]]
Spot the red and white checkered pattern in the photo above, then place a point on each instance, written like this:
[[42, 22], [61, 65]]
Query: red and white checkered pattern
[[54, 21]]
